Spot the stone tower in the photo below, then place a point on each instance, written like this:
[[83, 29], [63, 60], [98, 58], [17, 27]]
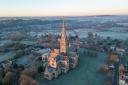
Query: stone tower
[[63, 39]]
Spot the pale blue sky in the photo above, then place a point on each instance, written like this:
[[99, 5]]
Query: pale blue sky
[[62, 7]]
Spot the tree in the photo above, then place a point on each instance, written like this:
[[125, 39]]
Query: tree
[[9, 79], [40, 69], [29, 72], [1, 75], [26, 80]]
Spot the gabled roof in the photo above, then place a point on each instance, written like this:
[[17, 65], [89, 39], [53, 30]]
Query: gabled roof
[[50, 69], [58, 58]]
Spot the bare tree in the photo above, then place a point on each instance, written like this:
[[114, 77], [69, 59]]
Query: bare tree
[[26, 80], [9, 79]]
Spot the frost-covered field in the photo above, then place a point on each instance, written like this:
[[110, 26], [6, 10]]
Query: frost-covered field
[[115, 33], [85, 74], [111, 33], [8, 55]]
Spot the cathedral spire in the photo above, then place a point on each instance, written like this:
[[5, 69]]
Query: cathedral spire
[[63, 38]]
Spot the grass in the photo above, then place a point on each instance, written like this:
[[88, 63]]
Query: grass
[[85, 73]]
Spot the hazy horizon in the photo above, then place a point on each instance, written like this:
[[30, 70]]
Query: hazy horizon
[[68, 15], [63, 7]]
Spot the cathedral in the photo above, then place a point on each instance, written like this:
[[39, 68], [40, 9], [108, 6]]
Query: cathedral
[[60, 60]]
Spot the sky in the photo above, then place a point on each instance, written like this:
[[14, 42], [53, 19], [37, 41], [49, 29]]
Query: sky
[[63, 7]]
